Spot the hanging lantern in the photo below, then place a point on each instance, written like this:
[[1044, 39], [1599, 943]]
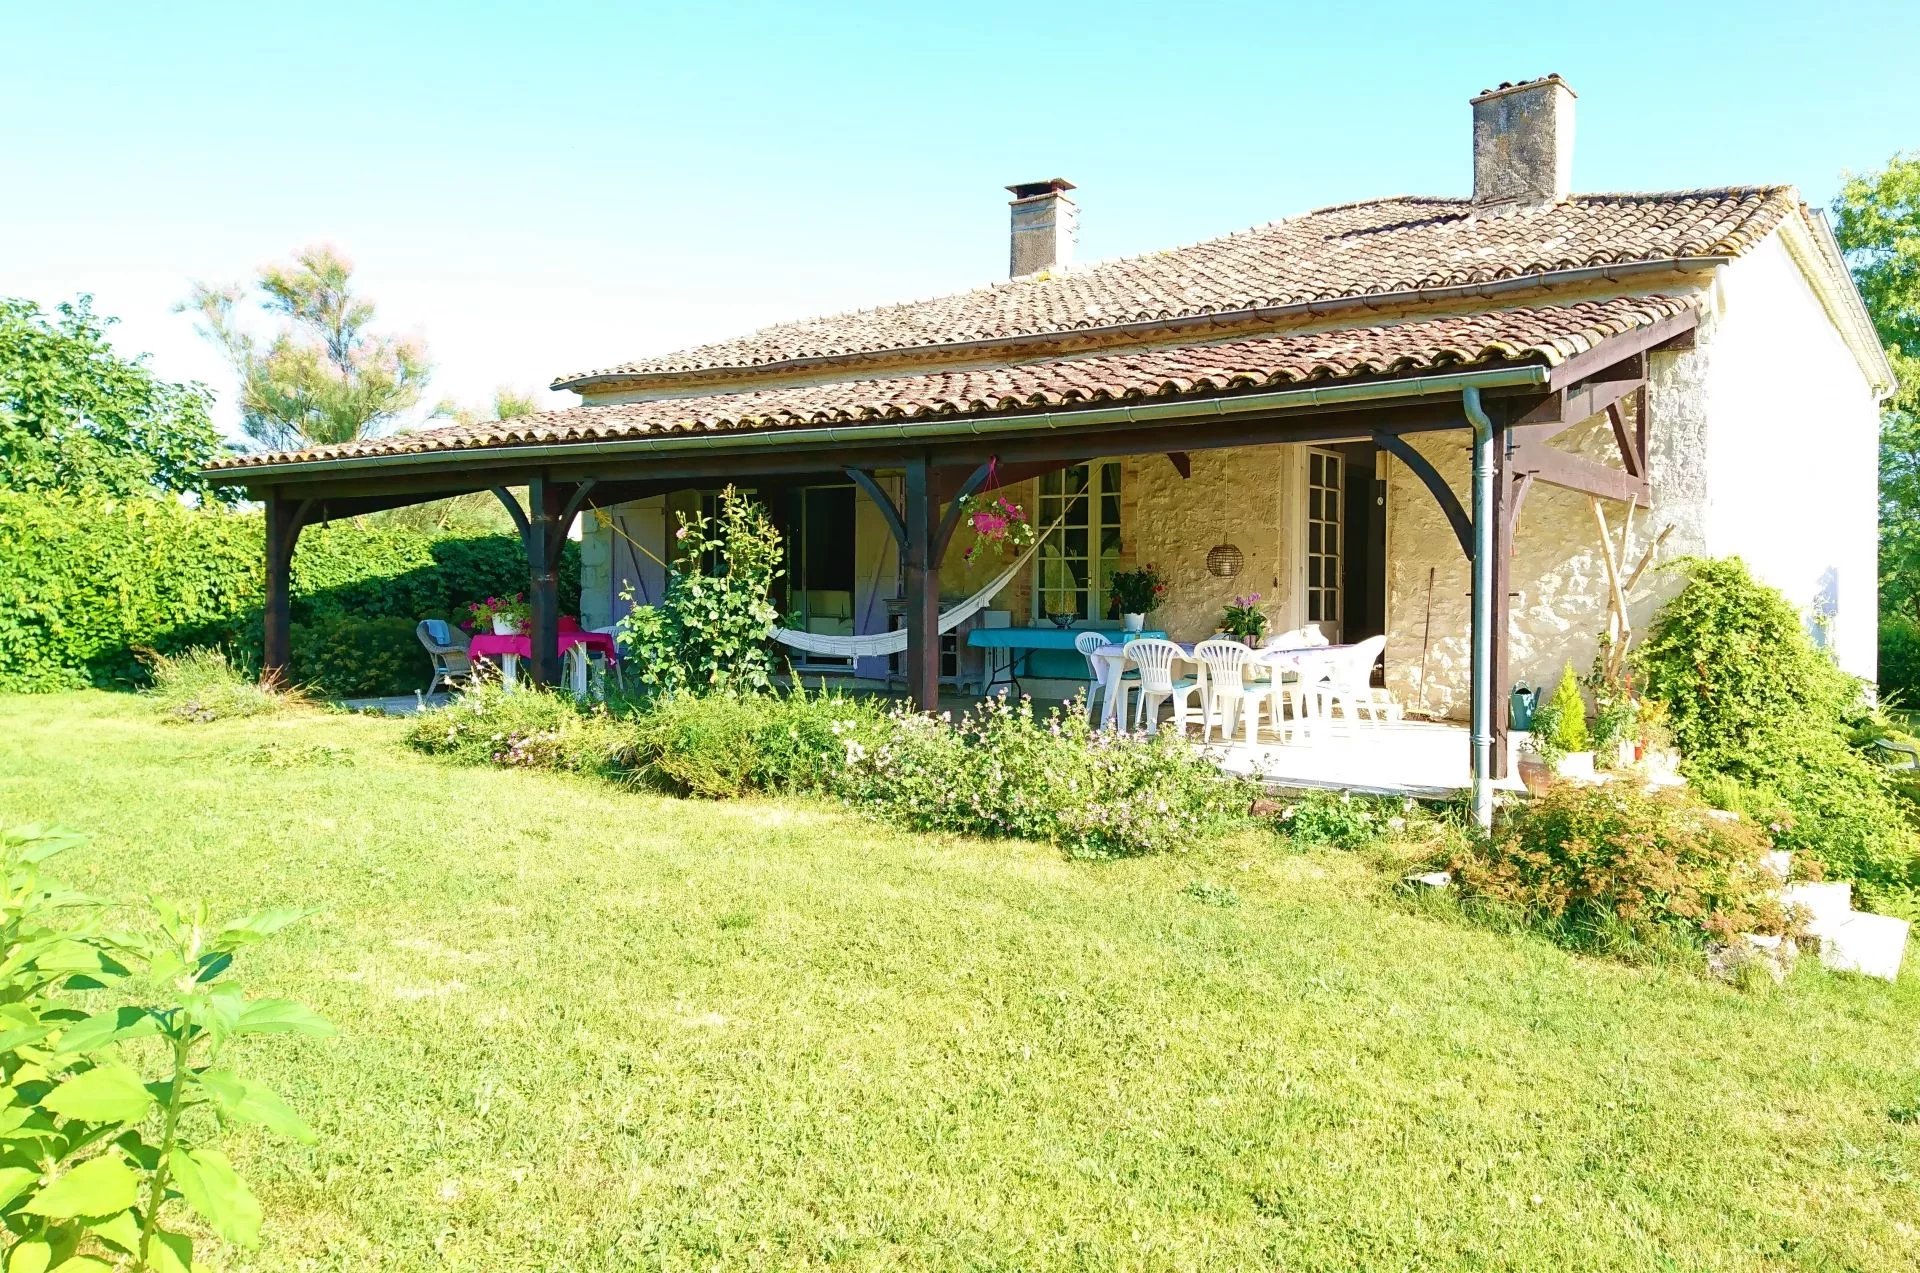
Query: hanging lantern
[[1224, 561]]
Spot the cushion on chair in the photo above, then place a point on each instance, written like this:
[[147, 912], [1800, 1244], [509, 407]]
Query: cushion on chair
[[439, 632]]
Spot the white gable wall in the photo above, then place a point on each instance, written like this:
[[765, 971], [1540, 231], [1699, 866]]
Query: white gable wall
[[1792, 455]]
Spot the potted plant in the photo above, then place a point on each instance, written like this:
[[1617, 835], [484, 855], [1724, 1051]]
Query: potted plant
[[996, 522], [505, 616], [1136, 594], [1243, 619], [1560, 730]]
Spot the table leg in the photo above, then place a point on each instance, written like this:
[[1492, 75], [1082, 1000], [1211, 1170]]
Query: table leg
[[509, 670]]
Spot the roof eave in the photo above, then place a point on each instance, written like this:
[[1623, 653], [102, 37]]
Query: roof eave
[[1346, 393]]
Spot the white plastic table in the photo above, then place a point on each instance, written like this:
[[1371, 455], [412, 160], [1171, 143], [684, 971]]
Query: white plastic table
[[1110, 662]]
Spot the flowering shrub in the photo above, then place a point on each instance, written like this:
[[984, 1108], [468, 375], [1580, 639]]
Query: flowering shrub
[[1591, 862], [712, 628], [1001, 771], [1137, 591], [998, 771], [1243, 618], [996, 521], [520, 729]]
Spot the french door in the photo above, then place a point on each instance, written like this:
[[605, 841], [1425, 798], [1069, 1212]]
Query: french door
[[1326, 517]]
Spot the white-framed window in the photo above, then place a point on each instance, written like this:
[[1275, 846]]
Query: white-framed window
[[1326, 503], [1072, 569]]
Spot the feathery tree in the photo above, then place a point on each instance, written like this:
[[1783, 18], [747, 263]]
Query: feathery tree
[[324, 376]]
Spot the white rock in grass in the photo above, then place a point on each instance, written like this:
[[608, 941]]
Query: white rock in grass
[[1869, 944], [1827, 905], [1432, 879], [1779, 862]]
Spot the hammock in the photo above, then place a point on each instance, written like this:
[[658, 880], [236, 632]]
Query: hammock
[[895, 642]]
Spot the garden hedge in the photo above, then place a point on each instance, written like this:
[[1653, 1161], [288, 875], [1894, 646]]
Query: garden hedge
[[85, 583]]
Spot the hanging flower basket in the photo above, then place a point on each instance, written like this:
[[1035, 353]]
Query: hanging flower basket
[[997, 522]]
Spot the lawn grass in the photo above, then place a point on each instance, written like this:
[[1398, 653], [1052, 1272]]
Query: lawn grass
[[585, 1028]]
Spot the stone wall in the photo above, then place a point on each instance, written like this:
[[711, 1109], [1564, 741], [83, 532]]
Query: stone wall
[[1243, 496], [1559, 603]]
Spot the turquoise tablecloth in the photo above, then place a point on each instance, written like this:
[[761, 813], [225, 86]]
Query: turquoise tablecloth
[[1048, 651]]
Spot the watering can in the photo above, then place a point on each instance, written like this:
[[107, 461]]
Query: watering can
[[1520, 706]]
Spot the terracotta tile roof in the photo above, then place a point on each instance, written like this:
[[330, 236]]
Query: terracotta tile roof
[[1371, 249], [1545, 335]]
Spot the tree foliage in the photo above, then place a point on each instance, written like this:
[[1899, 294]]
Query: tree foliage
[[1877, 224], [75, 415], [324, 376]]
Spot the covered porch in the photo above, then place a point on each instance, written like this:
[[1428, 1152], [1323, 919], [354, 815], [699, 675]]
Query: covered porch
[[1506, 382]]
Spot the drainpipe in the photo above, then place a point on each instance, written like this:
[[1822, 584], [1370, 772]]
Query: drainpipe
[[1483, 549]]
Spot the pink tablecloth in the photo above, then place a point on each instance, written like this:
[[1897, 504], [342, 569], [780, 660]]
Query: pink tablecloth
[[491, 645]]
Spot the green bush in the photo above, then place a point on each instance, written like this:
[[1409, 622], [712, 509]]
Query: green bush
[[1340, 820], [524, 728], [721, 746], [1732, 661], [346, 656], [712, 629], [1597, 866], [997, 771], [1900, 658], [1001, 771], [1750, 698], [199, 686], [86, 583]]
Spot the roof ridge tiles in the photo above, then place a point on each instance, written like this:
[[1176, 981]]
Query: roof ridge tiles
[[1336, 252]]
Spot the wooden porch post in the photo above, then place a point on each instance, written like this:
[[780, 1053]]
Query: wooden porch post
[[544, 537], [923, 586], [285, 518]]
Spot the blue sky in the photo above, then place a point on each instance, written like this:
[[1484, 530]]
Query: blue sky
[[538, 189]]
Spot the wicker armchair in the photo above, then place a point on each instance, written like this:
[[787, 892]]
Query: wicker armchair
[[450, 664]]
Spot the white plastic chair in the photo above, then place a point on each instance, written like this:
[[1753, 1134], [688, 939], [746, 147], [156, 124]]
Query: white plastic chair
[[1231, 698], [1113, 681], [586, 670], [1349, 684], [1303, 637], [1154, 658]]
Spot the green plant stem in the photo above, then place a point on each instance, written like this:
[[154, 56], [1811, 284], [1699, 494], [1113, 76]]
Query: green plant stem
[[169, 1129]]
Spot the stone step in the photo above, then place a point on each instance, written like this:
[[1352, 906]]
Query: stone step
[[1865, 943], [1826, 904]]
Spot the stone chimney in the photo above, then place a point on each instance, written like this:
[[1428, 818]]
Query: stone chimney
[[1046, 224], [1523, 144]]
